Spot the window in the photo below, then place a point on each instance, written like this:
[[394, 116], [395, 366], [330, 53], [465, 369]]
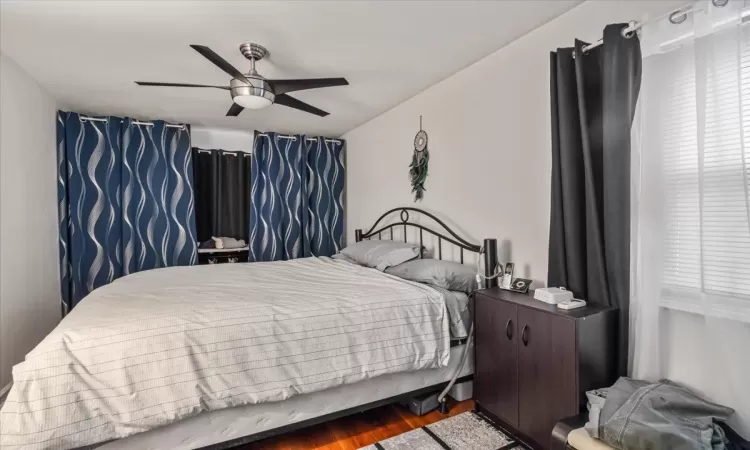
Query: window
[[222, 193], [695, 115]]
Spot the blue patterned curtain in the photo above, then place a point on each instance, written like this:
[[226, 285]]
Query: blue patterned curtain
[[325, 196], [297, 197], [125, 200]]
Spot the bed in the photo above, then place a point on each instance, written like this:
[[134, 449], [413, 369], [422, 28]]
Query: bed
[[215, 356]]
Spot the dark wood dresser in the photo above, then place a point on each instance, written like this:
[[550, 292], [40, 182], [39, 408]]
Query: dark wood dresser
[[534, 361]]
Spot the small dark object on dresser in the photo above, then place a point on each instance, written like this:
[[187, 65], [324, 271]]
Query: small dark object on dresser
[[520, 285]]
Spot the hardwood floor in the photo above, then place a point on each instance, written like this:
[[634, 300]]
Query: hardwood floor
[[358, 430]]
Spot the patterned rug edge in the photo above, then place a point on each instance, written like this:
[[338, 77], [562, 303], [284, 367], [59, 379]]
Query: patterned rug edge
[[465, 431]]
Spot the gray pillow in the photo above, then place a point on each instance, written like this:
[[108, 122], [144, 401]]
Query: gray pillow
[[445, 274], [343, 257], [380, 254]]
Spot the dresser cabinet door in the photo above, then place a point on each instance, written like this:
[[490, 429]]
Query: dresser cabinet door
[[496, 365], [547, 372]]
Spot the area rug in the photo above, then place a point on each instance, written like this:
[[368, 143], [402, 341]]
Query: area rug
[[465, 431]]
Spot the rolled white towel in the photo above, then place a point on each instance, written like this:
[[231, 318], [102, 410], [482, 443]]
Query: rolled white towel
[[219, 242], [233, 243]]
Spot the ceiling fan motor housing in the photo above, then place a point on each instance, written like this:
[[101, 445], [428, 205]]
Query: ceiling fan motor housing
[[258, 87], [253, 51]]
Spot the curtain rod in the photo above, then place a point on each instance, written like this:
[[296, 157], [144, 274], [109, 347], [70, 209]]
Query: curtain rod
[[226, 152], [135, 122], [628, 31], [676, 17], [294, 138], [151, 124]]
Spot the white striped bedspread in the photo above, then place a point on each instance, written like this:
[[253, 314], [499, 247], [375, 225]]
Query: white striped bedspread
[[156, 347]]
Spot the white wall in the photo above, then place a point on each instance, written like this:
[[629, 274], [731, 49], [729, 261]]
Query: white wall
[[217, 138], [489, 130], [29, 275], [489, 141]]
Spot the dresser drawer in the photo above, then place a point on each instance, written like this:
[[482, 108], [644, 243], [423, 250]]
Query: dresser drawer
[[496, 368]]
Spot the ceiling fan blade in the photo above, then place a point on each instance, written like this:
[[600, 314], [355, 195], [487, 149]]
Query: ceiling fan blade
[[220, 62], [292, 102], [235, 110], [149, 83], [283, 86]]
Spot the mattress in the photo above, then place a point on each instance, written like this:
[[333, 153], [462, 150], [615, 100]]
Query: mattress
[[459, 312], [457, 303], [213, 427], [160, 346]]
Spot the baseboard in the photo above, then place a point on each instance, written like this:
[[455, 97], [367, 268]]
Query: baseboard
[[4, 392]]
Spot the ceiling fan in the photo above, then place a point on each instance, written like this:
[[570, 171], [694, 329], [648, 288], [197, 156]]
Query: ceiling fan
[[252, 90]]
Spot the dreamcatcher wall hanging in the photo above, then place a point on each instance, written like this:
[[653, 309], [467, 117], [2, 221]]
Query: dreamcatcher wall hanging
[[419, 163]]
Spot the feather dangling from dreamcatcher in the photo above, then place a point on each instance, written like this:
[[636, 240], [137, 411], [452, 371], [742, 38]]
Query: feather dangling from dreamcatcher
[[419, 164]]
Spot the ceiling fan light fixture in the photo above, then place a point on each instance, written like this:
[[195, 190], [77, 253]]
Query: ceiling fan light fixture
[[252, 101], [254, 95]]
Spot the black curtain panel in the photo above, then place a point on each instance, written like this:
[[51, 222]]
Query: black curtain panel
[[222, 193], [593, 103]]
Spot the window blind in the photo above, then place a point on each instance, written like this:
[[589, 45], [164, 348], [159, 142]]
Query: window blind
[[701, 109]]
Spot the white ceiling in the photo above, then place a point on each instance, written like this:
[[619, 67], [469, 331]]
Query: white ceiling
[[88, 53]]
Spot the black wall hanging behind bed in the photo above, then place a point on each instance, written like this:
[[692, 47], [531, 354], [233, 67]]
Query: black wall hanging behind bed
[[419, 163]]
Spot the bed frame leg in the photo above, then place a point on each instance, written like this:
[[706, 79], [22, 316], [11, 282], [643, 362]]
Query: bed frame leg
[[443, 406]]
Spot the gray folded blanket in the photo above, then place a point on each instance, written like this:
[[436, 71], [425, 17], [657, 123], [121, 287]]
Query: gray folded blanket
[[634, 414]]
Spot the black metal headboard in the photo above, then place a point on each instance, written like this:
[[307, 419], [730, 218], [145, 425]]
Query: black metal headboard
[[447, 235]]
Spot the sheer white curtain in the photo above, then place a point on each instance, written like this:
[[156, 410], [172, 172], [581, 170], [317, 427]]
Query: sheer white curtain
[[690, 305]]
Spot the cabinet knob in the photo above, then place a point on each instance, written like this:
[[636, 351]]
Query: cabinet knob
[[509, 329], [525, 335]]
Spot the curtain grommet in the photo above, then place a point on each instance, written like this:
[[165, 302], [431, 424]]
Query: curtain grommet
[[720, 3], [678, 17], [629, 31], [89, 119]]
